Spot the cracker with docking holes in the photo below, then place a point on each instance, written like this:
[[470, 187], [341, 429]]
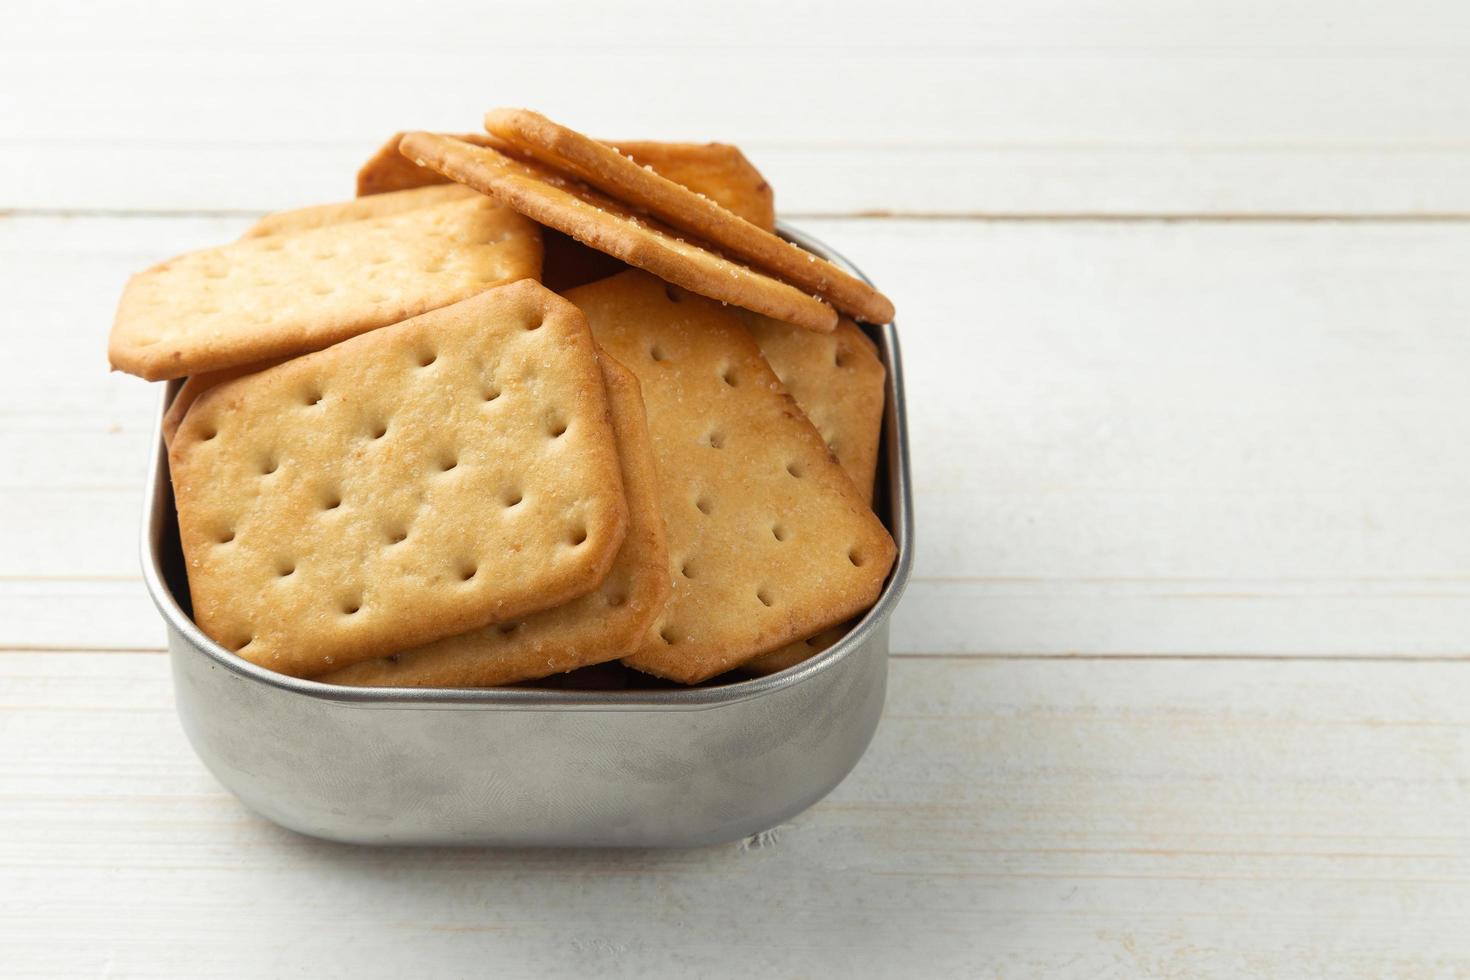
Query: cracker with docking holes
[[603, 625], [596, 220], [604, 168], [280, 295], [567, 263], [769, 540], [357, 209], [718, 171], [197, 385], [306, 219], [416, 482], [839, 381]]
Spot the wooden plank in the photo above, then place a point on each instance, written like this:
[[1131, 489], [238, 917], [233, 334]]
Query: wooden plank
[[1332, 617], [67, 613], [1173, 438], [1126, 107], [1011, 818]]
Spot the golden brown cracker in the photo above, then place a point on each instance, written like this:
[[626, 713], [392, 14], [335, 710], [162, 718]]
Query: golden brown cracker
[[839, 382], [197, 385], [556, 146], [286, 294], [769, 540], [593, 219], [415, 482], [603, 625], [388, 170], [566, 262], [717, 170], [306, 219]]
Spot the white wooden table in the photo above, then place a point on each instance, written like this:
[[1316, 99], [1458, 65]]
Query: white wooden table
[[1180, 686]]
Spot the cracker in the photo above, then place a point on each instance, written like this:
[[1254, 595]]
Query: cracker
[[794, 653], [286, 294], [604, 168], [416, 482], [603, 625], [197, 385], [839, 381], [768, 538], [305, 219], [567, 263], [716, 170], [388, 170], [357, 209], [598, 221]]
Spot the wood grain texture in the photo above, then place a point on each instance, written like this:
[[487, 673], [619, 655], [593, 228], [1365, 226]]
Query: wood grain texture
[[1011, 818], [1051, 107]]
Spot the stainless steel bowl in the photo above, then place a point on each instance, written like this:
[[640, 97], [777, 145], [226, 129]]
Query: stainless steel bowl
[[656, 766]]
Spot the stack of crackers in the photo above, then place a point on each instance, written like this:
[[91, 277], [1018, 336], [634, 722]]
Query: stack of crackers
[[531, 402]]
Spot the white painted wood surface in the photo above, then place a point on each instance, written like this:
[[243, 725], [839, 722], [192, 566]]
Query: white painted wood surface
[[1182, 683], [1012, 818], [930, 106]]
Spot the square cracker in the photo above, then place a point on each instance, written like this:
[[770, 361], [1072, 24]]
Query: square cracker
[[716, 170], [567, 263], [306, 219], [839, 381], [768, 538], [604, 168], [280, 295], [603, 625], [416, 482], [593, 219]]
